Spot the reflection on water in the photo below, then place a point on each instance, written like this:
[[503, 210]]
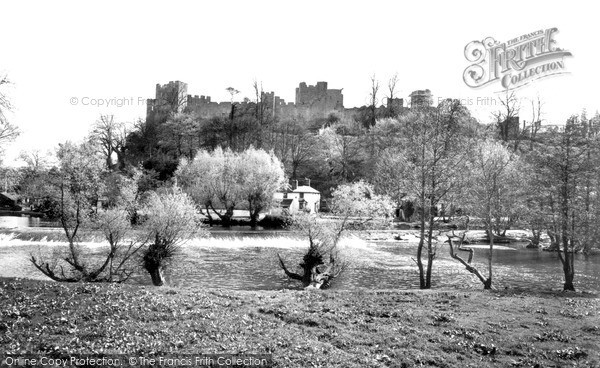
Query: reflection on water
[[11, 222], [250, 263]]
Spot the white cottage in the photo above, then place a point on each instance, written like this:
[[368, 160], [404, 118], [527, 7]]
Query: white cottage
[[303, 198]]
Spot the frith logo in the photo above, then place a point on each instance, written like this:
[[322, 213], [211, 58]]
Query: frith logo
[[516, 62]]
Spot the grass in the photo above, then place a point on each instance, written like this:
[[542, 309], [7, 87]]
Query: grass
[[360, 328]]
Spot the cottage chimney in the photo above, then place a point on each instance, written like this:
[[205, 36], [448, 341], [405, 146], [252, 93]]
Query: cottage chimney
[[307, 181], [295, 184]]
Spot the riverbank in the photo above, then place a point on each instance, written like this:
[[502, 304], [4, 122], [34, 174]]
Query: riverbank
[[300, 328]]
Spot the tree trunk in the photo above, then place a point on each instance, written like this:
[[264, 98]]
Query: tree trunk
[[430, 252], [568, 267], [210, 219], [420, 250], [156, 274], [253, 215], [253, 220], [488, 283]]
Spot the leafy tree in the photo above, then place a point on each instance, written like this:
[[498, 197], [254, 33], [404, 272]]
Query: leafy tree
[[262, 176], [492, 193], [342, 152], [360, 200], [76, 183], [429, 167], [115, 225], [562, 167], [34, 179], [226, 179], [171, 219], [214, 179]]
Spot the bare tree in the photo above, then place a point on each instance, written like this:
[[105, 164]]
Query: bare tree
[[232, 92], [507, 118], [536, 119], [373, 101], [391, 93], [105, 133], [8, 132]]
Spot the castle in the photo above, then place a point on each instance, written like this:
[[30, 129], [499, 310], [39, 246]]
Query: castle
[[316, 101]]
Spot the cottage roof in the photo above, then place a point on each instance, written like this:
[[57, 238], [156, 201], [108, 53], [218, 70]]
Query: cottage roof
[[305, 189], [10, 196]]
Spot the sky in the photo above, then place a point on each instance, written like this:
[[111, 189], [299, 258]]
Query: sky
[[64, 57]]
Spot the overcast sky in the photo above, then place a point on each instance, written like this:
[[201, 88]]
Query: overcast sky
[[56, 52]]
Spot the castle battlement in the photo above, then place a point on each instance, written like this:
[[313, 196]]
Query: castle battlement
[[311, 101]]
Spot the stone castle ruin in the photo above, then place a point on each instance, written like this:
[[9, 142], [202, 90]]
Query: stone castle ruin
[[312, 101]]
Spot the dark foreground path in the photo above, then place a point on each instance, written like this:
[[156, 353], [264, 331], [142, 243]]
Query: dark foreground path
[[305, 329]]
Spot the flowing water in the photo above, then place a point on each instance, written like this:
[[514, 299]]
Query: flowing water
[[249, 262]]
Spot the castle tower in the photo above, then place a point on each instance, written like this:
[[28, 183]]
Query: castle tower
[[421, 98]]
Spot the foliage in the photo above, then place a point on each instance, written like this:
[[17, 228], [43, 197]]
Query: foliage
[[76, 189], [171, 218], [262, 176], [115, 225], [322, 262], [563, 168], [428, 168], [224, 179], [360, 200], [214, 180]]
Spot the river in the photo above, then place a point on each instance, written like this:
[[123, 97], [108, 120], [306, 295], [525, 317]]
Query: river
[[248, 262]]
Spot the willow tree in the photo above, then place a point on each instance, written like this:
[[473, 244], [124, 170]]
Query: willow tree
[[171, 218], [213, 179], [227, 179], [263, 175], [323, 261]]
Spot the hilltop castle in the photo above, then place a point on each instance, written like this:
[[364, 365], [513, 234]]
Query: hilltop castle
[[316, 101]]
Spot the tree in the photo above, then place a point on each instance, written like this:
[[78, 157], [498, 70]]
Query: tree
[[214, 179], [76, 183], [388, 169], [115, 225], [323, 241], [8, 132], [359, 199], [295, 145], [34, 181], [429, 167], [373, 100], [171, 219], [392, 109], [262, 176], [105, 132], [562, 167], [492, 193], [342, 152], [507, 116], [225, 178]]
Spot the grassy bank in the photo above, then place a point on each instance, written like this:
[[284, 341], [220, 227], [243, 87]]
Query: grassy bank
[[305, 329]]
